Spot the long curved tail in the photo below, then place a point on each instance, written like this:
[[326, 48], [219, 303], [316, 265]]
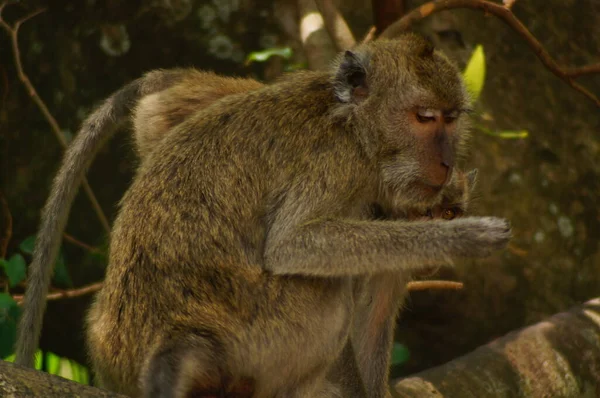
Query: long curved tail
[[96, 130]]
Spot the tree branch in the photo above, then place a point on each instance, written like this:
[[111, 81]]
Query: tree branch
[[558, 357], [317, 44], [416, 286], [19, 381], [77, 242], [336, 25], [505, 14], [13, 32], [62, 294]]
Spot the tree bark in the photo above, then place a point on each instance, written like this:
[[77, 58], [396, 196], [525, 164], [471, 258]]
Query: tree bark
[[558, 357], [18, 381]]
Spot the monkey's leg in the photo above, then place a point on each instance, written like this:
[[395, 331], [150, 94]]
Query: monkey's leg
[[346, 375], [373, 329], [186, 365], [351, 247]]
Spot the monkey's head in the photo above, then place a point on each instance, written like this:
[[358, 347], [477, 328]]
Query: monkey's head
[[406, 102], [455, 199]]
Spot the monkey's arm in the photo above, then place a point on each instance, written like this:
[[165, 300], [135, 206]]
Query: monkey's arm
[[354, 247]]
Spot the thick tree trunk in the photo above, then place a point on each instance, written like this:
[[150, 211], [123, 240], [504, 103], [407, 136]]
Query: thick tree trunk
[[559, 357]]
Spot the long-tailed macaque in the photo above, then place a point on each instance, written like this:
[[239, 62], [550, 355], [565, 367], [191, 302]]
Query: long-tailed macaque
[[243, 252]]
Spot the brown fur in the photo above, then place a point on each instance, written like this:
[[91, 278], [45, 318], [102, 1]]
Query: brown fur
[[156, 114], [381, 298], [194, 90], [247, 230], [159, 112]]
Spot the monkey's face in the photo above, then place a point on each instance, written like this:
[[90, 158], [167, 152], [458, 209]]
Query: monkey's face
[[407, 103]]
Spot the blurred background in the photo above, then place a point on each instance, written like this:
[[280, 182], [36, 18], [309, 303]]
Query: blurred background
[[536, 143]]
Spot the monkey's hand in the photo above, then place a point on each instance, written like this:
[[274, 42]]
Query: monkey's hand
[[478, 236]]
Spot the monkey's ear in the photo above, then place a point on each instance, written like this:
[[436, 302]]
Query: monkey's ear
[[472, 179], [351, 79]]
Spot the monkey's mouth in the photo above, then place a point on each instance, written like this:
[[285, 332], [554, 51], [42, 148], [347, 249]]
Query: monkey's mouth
[[433, 187], [427, 188]]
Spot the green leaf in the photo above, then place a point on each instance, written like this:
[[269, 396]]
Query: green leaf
[[511, 135], [27, 245], [38, 359], [9, 314], [504, 134], [400, 354], [15, 268], [61, 273], [262, 56], [474, 73], [66, 368], [52, 363]]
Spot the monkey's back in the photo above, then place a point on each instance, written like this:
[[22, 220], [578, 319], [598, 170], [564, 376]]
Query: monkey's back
[[187, 246]]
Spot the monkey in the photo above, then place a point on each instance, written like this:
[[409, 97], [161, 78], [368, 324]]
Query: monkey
[[455, 201], [151, 123], [246, 229], [151, 113], [195, 90], [157, 113]]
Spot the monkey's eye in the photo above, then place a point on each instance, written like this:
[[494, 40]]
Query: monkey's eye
[[450, 117], [449, 213], [425, 115]]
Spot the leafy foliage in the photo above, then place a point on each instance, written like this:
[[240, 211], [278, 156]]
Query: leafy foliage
[[61, 274], [285, 52], [474, 73], [59, 366], [400, 354], [264, 55], [474, 76], [15, 268], [9, 315]]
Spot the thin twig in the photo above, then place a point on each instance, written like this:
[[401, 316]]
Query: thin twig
[[416, 286], [61, 294], [77, 242], [336, 25], [370, 35], [13, 32], [7, 235], [583, 70], [565, 73]]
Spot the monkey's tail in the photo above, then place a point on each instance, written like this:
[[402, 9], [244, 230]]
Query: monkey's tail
[[96, 129]]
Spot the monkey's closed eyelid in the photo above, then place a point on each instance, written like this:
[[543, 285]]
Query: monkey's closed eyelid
[[427, 113]]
